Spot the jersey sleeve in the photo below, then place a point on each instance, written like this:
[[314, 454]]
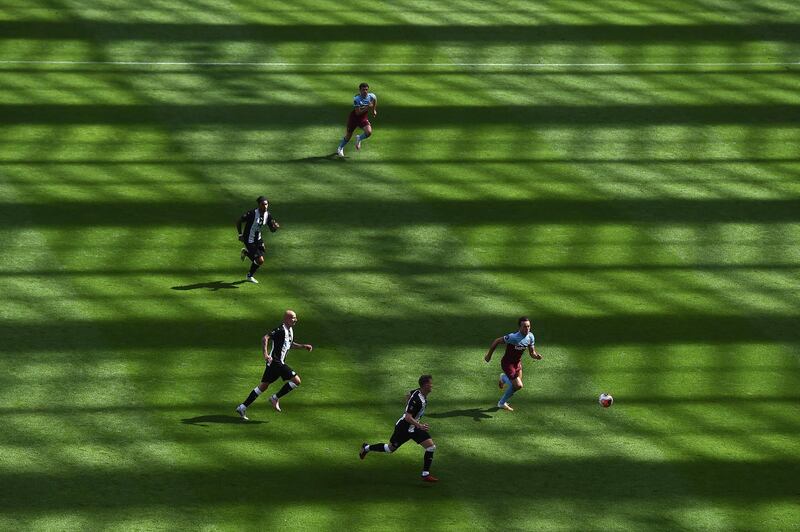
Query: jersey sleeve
[[274, 332], [372, 98], [356, 102]]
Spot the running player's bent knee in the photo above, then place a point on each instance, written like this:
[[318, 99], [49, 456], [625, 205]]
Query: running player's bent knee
[[431, 448], [260, 260], [389, 448], [518, 386]]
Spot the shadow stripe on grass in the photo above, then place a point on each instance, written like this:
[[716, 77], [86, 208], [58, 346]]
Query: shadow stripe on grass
[[281, 117], [433, 35], [441, 407], [323, 480], [389, 266], [340, 330], [393, 213]]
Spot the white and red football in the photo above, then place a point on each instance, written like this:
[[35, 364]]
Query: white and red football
[[605, 400]]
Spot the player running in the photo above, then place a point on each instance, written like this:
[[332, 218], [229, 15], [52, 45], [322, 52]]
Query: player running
[[254, 221], [511, 363], [363, 103], [408, 427], [281, 339]]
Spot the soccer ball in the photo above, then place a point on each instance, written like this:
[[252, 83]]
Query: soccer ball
[[605, 400]]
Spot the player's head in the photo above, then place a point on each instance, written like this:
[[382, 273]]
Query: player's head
[[263, 203], [425, 383], [363, 88], [289, 318], [524, 325]]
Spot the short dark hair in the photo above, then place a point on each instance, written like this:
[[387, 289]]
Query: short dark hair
[[523, 318], [425, 379], [362, 85], [261, 199]]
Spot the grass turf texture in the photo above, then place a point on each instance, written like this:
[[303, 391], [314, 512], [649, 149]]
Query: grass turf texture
[[646, 217]]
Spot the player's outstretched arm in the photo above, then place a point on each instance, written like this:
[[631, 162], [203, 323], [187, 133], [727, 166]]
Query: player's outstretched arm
[[534, 353], [374, 106], [307, 347], [497, 341]]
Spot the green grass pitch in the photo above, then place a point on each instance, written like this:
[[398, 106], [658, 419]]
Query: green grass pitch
[[626, 173]]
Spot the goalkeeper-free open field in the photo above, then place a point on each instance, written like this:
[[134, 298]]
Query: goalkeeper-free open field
[[624, 173]]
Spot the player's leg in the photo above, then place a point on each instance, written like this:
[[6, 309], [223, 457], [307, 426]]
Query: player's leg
[[429, 447], [376, 447], [351, 127], [516, 385], [288, 386], [266, 379], [250, 251], [510, 373], [344, 141], [399, 437], [365, 135], [256, 254], [254, 266], [292, 381]]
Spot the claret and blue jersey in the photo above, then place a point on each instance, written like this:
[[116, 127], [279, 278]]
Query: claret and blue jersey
[[517, 343], [521, 341], [359, 101]]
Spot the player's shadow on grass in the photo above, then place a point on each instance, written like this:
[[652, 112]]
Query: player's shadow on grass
[[319, 159], [203, 421], [211, 285], [476, 414]]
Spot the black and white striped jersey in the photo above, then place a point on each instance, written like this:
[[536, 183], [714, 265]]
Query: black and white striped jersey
[[415, 406], [253, 222], [282, 338]]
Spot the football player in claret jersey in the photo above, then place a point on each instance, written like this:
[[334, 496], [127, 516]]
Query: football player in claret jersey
[[408, 427], [511, 363], [281, 339], [364, 103]]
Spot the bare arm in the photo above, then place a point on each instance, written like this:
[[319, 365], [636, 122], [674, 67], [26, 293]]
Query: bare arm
[[273, 224], [307, 347], [265, 348], [374, 107], [497, 341], [239, 228], [422, 426], [534, 353]]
